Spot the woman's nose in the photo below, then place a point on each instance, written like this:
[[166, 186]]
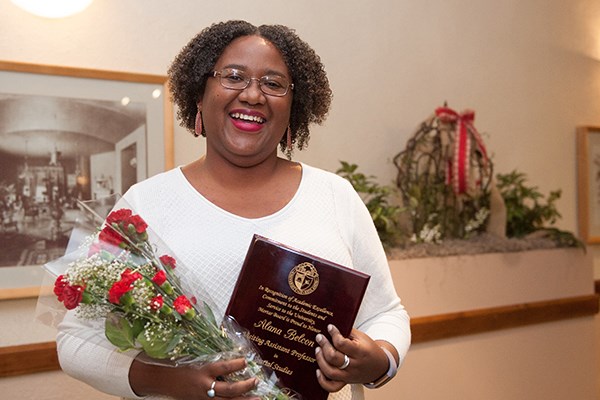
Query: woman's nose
[[252, 93]]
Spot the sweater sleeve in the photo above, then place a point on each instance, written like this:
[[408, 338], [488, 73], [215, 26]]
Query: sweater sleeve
[[382, 315], [85, 354]]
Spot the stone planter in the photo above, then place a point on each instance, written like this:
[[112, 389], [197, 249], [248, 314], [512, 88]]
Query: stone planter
[[440, 285], [498, 326]]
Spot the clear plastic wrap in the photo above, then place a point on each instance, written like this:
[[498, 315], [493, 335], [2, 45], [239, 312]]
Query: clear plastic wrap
[[118, 274]]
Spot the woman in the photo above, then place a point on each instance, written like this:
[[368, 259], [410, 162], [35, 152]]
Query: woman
[[249, 90]]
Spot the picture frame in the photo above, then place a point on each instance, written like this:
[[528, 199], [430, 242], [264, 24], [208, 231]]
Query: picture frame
[[588, 183], [97, 132]]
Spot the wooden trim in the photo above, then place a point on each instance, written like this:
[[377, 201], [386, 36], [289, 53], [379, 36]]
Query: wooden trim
[[19, 293], [82, 72], [445, 326], [583, 179], [169, 128], [30, 358]]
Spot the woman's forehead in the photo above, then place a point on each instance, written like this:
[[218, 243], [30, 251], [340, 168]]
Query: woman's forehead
[[252, 53]]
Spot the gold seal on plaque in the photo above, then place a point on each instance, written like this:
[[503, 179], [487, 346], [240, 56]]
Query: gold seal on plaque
[[303, 278]]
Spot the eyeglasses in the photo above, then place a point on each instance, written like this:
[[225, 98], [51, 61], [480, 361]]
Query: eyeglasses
[[272, 85]]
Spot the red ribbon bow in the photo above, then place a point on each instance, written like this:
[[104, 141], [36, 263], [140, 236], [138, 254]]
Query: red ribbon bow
[[459, 168]]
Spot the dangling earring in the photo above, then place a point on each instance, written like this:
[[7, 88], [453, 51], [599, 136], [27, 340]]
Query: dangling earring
[[288, 150], [199, 127]]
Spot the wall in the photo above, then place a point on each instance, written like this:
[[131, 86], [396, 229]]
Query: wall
[[535, 362], [551, 361], [530, 69]]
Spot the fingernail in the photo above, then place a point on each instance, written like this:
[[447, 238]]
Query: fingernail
[[329, 328], [318, 373], [319, 337], [255, 382], [317, 350]]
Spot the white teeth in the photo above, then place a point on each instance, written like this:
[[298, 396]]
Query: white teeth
[[245, 117]]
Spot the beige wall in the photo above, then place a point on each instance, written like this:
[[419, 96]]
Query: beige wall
[[536, 362], [550, 361], [529, 68]]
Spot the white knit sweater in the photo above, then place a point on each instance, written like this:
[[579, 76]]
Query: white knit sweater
[[326, 218]]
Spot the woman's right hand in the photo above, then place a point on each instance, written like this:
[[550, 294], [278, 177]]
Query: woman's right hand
[[190, 382]]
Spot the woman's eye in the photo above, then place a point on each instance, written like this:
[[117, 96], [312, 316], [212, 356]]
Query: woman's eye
[[273, 84], [234, 78]]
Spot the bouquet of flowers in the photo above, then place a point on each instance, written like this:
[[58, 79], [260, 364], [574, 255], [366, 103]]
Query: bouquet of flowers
[[117, 276]]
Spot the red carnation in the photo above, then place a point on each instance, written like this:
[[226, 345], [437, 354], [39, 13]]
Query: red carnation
[[130, 276], [156, 303], [59, 286], [139, 224], [118, 216], [184, 307], [159, 278], [168, 261], [110, 236], [117, 290], [182, 304], [123, 286], [72, 296]]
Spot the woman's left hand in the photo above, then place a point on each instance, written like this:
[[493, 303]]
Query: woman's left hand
[[367, 361]]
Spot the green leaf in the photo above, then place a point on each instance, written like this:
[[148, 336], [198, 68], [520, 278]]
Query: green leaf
[[158, 347], [210, 316], [119, 331], [375, 198], [138, 326]]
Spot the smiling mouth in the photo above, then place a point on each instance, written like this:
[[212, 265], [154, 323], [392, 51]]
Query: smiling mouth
[[248, 118]]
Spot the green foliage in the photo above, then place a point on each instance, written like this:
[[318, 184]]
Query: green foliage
[[376, 198], [528, 211], [436, 213], [119, 331]]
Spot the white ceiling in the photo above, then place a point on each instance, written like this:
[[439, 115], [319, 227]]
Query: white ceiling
[[37, 125]]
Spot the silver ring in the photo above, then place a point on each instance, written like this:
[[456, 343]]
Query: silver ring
[[211, 392], [346, 362]]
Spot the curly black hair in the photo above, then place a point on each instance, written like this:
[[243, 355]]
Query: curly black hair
[[191, 68]]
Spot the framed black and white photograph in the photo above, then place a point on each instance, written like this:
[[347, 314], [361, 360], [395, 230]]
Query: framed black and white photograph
[[69, 134], [588, 183]]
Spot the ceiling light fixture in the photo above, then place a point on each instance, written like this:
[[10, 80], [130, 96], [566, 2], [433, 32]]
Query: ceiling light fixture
[[53, 8]]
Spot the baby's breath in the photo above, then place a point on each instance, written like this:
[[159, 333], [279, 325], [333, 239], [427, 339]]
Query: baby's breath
[[92, 311], [138, 310], [142, 294]]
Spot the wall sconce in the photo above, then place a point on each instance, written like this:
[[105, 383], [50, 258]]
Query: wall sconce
[[53, 8]]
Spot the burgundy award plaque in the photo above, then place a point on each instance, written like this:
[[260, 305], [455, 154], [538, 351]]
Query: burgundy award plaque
[[283, 298]]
